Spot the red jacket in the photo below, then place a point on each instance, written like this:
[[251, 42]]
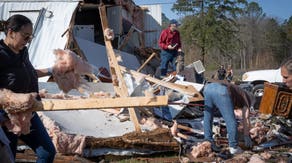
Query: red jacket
[[167, 37]]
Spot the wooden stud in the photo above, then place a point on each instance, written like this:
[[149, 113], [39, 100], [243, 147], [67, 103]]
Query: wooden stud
[[119, 84], [127, 38], [148, 60], [99, 103], [181, 88]]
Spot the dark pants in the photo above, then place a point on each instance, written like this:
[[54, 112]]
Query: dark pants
[[38, 140], [166, 57]]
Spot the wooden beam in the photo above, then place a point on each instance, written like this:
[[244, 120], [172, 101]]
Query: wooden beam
[[120, 86], [127, 38], [113, 63], [147, 61], [100, 103], [181, 88]]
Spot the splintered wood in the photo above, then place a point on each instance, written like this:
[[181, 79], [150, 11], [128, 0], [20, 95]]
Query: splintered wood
[[188, 90], [119, 84]]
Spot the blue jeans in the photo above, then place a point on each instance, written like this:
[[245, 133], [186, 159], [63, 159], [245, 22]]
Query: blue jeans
[[38, 140], [166, 57], [217, 95], [5, 151]]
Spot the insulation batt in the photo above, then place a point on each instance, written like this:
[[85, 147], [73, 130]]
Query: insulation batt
[[44, 94], [19, 109], [19, 123], [201, 150], [151, 123], [68, 70], [259, 132], [65, 143], [109, 34], [16, 102]]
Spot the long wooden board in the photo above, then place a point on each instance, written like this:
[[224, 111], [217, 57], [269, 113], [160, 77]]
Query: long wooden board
[[100, 103], [120, 86], [181, 89]]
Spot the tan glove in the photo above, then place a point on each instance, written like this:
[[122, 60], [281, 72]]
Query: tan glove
[[17, 102]]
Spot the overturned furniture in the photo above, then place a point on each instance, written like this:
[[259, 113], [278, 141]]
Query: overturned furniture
[[277, 100]]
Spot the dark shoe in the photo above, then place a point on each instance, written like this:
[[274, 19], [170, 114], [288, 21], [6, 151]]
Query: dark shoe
[[215, 148]]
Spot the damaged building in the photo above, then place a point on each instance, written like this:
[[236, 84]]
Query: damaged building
[[125, 116], [77, 25]]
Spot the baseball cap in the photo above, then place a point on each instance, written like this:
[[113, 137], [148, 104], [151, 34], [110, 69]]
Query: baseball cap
[[173, 21]]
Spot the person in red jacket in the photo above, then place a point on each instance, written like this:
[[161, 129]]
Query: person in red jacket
[[170, 44]]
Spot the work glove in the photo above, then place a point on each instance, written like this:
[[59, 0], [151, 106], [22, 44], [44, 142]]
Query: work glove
[[247, 141], [170, 47], [18, 102]]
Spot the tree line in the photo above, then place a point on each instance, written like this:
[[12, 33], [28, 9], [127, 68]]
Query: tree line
[[232, 32]]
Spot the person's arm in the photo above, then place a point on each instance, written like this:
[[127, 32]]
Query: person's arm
[[246, 127], [44, 72], [162, 40], [246, 121]]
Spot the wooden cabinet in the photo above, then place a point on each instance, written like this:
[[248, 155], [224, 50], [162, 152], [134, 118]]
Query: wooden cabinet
[[277, 100]]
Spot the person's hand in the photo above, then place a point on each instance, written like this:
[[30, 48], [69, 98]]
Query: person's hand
[[18, 102], [247, 141], [170, 47], [173, 129]]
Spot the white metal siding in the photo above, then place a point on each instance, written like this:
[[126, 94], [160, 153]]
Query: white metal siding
[[152, 22], [48, 37]]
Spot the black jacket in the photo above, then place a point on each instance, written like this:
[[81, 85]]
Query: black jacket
[[16, 71]]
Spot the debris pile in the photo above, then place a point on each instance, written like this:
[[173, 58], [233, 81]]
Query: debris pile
[[271, 135]]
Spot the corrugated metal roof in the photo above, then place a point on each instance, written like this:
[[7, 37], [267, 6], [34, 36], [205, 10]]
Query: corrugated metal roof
[[152, 25]]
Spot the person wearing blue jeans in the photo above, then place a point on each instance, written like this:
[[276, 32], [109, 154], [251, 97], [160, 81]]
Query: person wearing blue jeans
[[18, 75], [170, 44], [167, 56], [5, 151], [38, 140], [225, 97]]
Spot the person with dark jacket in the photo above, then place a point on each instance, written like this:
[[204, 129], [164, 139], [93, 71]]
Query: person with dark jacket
[[221, 72], [226, 97], [170, 44], [19, 76]]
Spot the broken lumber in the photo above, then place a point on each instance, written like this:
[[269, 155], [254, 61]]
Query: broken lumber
[[100, 103], [146, 62], [127, 38], [182, 89], [120, 86]]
